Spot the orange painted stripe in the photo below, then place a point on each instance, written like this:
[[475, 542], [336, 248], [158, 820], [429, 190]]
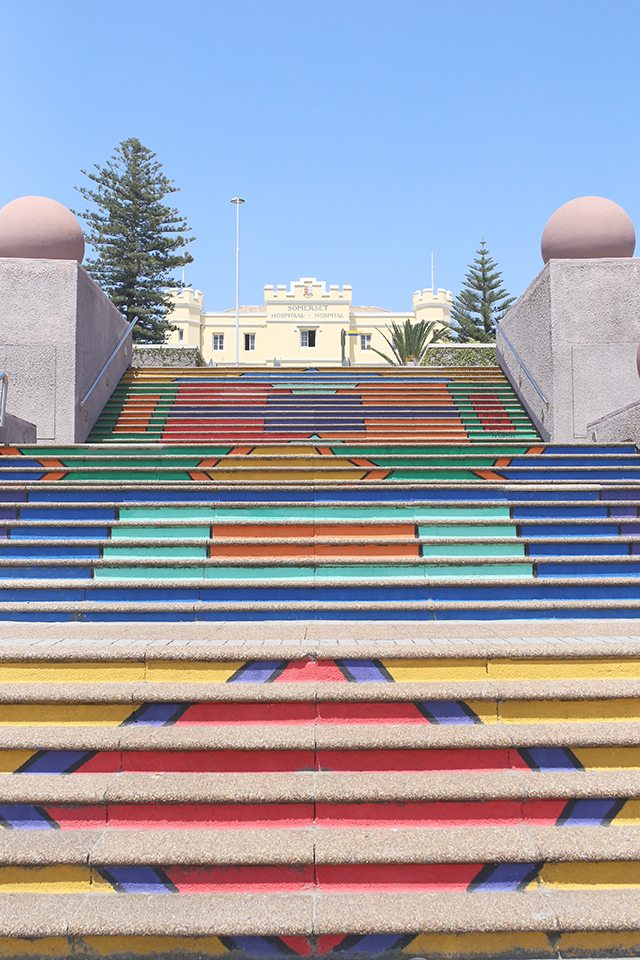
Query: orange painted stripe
[[313, 530], [488, 475]]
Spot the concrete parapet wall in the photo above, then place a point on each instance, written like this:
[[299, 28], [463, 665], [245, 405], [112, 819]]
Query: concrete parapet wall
[[569, 344], [57, 330]]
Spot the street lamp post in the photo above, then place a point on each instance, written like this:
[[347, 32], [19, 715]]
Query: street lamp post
[[238, 201]]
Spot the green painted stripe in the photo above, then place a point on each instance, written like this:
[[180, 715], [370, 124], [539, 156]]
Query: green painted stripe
[[463, 550], [134, 553], [159, 533], [467, 530]]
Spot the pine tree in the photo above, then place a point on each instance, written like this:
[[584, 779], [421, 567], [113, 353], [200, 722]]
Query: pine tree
[[482, 302], [137, 239]]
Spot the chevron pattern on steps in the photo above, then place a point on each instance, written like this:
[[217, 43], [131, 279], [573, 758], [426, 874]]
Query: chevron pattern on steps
[[344, 805], [457, 405]]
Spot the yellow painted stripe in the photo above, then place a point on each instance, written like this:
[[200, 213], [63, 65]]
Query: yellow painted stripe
[[430, 670], [600, 943], [71, 672], [13, 947], [596, 668], [490, 945], [162, 671], [618, 758], [155, 946], [567, 711], [194, 671], [630, 813], [58, 879], [12, 760], [587, 876], [485, 710], [65, 715], [417, 671]]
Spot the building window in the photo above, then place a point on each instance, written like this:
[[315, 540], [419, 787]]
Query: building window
[[249, 341], [180, 334], [365, 341], [218, 341], [307, 338]]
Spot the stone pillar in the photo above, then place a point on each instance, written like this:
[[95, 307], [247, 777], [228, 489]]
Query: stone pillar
[[57, 329]]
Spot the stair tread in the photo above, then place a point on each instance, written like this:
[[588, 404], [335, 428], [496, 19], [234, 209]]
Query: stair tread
[[319, 844], [329, 737], [325, 786]]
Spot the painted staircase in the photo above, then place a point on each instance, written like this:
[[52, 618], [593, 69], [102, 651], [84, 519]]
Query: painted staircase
[[173, 786]]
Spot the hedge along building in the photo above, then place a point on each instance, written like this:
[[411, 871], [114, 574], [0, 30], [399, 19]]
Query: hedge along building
[[305, 323]]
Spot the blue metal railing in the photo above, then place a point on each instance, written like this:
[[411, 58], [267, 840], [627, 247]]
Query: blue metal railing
[[106, 365], [522, 364], [4, 388]]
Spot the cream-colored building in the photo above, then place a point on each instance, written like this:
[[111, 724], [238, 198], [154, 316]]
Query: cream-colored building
[[305, 323]]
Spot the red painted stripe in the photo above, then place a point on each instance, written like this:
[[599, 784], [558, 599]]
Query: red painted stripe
[[210, 714], [422, 760], [199, 761], [243, 879], [90, 817], [449, 813], [213, 816], [395, 876], [370, 713], [299, 671]]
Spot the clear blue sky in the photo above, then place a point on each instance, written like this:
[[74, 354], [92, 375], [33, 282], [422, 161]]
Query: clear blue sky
[[362, 133]]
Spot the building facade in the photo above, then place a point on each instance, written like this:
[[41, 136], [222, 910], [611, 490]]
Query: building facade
[[306, 323]]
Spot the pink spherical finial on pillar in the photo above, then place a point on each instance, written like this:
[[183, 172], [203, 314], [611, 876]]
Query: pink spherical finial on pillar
[[37, 228], [588, 228]]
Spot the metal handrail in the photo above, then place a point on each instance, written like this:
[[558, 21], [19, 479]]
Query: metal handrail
[[106, 365], [4, 389], [523, 366]]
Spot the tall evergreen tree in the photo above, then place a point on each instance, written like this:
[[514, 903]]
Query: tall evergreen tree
[[138, 240], [482, 302]]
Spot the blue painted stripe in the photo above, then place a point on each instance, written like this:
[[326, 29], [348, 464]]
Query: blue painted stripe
[[68, 513], [59, 533], [584, 549]]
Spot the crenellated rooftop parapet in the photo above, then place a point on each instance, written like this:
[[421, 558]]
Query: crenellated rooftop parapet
[[308, 288], [429, 297]]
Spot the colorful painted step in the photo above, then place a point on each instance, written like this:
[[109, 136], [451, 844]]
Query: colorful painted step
[[360, 799], [217, 404], [319, 824]]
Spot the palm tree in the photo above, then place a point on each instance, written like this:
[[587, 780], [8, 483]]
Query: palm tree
[[410, 341]]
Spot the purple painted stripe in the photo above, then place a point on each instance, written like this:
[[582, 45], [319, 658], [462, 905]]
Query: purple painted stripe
[[550, 758], [258, 671], [55, 761], [137, 879], [155, 715], [504, 876], [447, 711], [24, 816], [372, 944], [364, 671], [258, 946], [623, 511], [593, 811]]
